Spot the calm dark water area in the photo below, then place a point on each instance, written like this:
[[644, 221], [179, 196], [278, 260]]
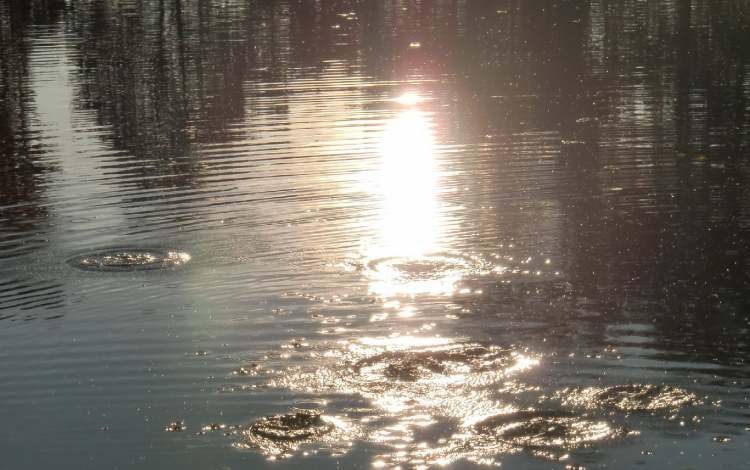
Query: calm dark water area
[[374, 234]]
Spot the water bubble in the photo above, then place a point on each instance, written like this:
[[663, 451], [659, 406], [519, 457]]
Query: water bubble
[[175, 426]]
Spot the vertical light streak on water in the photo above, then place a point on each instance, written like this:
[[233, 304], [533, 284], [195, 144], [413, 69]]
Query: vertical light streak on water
[[73, 146], [407, 186]]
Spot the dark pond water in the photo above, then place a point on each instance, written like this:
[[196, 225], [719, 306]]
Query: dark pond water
[[351, 234]]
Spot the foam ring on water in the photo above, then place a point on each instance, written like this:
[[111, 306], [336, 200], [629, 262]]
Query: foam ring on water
[[129, 259], [546, 429], [630, 397], [434, 265], [300, 425], [410, 366]]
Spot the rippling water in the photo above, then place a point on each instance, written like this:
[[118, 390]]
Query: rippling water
[[350, 234]]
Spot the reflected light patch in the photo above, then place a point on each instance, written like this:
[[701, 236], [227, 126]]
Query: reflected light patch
[[524, 363], [410, 224], [408, 184], [430, 274], [407, 312], [409, 98]]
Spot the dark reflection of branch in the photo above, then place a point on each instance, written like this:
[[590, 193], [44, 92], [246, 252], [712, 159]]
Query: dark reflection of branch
[[23, 168], [674, 229], [165, 77], [705, 265]]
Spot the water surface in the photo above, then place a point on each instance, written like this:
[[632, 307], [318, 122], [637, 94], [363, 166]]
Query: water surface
[[343, 234]]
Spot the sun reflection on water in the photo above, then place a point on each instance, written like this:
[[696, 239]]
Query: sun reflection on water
[[402, 259], [409, 98], [408, 183]]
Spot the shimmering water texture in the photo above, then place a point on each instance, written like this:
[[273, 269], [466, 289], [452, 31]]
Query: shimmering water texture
[[466, 394], [409, 234]]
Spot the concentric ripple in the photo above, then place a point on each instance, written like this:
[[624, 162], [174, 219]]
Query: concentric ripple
[[279, 436], [425, 365], [546, 434], [629, 398], [125, 259], [291, 427], [546, 429], [430, 274]]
